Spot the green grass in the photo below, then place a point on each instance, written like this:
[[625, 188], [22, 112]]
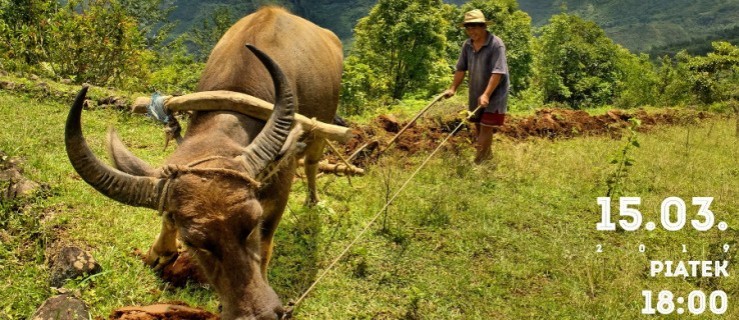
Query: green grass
[[461, 242]]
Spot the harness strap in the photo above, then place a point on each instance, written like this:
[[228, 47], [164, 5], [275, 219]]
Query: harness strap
[[171, 172]]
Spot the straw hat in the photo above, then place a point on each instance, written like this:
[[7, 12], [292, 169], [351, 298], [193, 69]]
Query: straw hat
[[474, 16]]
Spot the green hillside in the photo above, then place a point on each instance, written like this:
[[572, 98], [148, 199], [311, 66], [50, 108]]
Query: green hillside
[[644, 25], [339, 16], [641, 26]]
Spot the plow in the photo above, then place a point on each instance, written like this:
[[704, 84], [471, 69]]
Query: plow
[[164, 109]]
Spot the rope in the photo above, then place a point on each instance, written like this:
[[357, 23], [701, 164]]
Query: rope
[[292, 305], [172, 171], [157, 110]]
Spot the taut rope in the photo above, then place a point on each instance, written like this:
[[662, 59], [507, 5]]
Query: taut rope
[[292, 305]]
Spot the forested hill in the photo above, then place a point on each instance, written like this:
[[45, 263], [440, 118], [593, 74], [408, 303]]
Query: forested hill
[[338, 15], [653, 25], [656, 26]]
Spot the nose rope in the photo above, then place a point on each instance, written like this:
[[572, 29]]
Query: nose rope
[[172, 171]]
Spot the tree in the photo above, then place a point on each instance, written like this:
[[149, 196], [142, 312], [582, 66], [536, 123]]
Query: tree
[[672, 83], [404, 42], [509, 23], [96, 41], [23, 31], [576, 62], [638, 81], [203, 38], [714, 77], [699, 79], [152, 17]]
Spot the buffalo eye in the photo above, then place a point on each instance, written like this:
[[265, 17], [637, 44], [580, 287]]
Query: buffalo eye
[[201, 246], [247, 232]]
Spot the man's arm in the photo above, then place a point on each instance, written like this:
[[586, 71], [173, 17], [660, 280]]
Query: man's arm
[[458, 77], [484, 99]]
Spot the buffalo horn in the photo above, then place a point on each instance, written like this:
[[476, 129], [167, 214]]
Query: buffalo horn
[[268, 143], [115, 184]]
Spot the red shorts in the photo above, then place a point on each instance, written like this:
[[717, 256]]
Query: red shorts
[[492, 119]]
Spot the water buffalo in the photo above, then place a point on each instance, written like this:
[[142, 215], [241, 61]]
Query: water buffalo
[[223, 190]]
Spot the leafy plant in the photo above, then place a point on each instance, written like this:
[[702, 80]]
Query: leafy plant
[[622, 162], [576, 62], [403, 41], [177, 70], [714, 76], [637, 85], [202, 38], [360, 88]]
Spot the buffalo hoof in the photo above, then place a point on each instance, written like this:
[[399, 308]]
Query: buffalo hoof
[[159, 261], [312, 201]]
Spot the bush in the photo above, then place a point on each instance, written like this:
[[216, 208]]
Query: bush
[[577, 63], [403, 41], [95, 41], [175, 70], [637, 85], [107, 47]]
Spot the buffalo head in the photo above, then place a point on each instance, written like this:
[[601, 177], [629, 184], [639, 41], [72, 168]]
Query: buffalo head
[[206, 195]]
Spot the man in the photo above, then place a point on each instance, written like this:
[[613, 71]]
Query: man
[[483, 56]]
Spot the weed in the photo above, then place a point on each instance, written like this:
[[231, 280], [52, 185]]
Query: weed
[[623, 161]]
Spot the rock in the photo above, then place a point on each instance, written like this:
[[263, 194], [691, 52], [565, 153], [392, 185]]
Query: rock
[[113, 101], [7, 85], [12, 182], [62, 307], [389, 123], [69, 263], [140, 105], [44, 87], [26, 188], [66, 81]]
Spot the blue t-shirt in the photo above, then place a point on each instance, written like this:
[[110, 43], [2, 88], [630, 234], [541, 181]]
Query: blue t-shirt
[[480, 66]]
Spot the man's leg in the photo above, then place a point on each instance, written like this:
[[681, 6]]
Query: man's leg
[[486, 128], [484, 143]]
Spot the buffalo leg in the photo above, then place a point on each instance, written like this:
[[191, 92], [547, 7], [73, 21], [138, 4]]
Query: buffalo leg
[[164, 249], [313, 155]]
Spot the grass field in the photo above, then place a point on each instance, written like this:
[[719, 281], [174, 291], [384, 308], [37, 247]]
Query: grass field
[[517, 240]]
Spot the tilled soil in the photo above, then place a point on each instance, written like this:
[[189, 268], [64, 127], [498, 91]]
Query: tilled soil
[[163, 311], [426, 134]]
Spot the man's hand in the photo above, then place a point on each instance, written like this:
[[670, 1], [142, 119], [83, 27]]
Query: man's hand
[[449, 93], [484, 100]]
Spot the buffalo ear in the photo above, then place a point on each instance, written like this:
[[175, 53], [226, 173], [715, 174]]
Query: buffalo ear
[[125, 160]]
